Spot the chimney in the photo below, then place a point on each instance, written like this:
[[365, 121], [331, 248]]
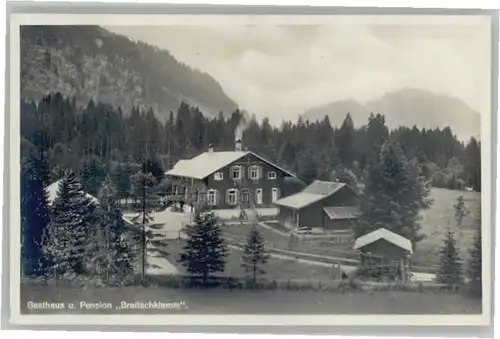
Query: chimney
[[210, 148], [238, 145]]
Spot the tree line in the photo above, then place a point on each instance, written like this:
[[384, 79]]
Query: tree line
[[100, 139]]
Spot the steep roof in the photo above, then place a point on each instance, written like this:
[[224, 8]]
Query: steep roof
[[342, 212], [316, 191], [385, 234], [52, 191], [207, 163]]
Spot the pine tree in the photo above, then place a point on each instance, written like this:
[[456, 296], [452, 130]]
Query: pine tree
[[345, 141], [393, 196], [254, 254], [154, 167], [205, 250], [143, 191], [345, 176], [460, 210], [91, 174], [114, 258], [34, 214], [68, 236], [375, 135], [307, 167], [450, 266], [122, 177], [474, 267], [473, 164]]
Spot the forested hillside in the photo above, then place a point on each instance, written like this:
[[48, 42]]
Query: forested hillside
[[88, 62], [102, 138]]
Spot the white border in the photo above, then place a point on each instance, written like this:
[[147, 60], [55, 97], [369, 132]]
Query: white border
[[233, 320]]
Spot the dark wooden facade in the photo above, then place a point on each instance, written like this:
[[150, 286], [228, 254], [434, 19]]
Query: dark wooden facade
[[314, 216], [338, 224], [385, 259], [222, 191]]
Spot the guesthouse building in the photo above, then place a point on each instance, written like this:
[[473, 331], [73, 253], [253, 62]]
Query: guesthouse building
[[229, 179]]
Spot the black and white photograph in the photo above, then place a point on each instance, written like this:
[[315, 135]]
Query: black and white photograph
[[229, 166]]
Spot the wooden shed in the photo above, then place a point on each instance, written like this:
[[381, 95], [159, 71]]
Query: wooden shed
[[385, 254], [331, 206]]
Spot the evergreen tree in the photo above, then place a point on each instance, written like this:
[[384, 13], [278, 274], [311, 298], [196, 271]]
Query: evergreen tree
[[143, 191], [67, 240], [345, 176], [345, 141], [376, 134], [393, 196], [122, 177], [92, 174], [114, 259], [307, 167], [205, 250], [450, 266], [254, 254], [34, 214], [460, 210], [473, 164], [154, 167], [474, 269]]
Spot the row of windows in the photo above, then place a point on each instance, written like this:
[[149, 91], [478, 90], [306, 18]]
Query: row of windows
[[254, 173], [233, 196]]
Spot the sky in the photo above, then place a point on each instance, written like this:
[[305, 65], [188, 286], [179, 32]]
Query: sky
[[288, 69]]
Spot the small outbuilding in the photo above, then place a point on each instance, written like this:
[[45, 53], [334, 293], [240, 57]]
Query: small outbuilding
[[326, 205], [385, 254]]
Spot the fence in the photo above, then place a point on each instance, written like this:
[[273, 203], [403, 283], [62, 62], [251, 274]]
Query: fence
[[350, 258], [239, 241]]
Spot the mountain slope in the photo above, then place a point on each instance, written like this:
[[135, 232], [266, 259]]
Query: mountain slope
[[407, 107], [89, 62]]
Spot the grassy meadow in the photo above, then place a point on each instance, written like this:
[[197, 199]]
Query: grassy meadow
[[435, 223], [440, 217], [276, 269]]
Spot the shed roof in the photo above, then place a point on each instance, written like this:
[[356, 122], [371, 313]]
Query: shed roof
[[342, 212], [299, 200], [53, 188], [325, 188], [316, 191], [385, 234], [207, 163]]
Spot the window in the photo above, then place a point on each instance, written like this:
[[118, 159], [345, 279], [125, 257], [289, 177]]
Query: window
[[254, 172], [236, 172], [245, 195], [218, 176], [271, 175], [275, 194], [258, 196], [212, 197], [232, 196]]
